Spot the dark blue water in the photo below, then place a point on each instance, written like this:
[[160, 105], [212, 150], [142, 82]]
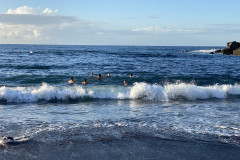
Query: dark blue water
[[55, 64], [184, 91]]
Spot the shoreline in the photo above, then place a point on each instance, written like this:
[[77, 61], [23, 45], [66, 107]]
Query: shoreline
[[133, 148]]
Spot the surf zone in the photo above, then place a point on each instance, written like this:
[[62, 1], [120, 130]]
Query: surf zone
[[142, 91]]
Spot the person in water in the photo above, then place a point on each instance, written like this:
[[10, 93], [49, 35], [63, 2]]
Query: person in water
[[91, 74], [99, 77], [125, 83], [108, 75], [130, 75], [71, 81], [84, 82]]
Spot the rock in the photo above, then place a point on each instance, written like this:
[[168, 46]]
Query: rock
[[233, 48], [218, 51], [233, 45], [227, 51], [236, 52]]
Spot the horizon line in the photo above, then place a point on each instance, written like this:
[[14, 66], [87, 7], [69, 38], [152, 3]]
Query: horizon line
[[119, 45]]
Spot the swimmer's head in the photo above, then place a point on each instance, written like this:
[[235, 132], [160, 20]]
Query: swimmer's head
[[84, 82], [99, 77], [125, 82], [71, 81]]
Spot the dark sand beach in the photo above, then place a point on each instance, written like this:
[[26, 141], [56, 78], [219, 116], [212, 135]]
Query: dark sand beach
[[135, 148]]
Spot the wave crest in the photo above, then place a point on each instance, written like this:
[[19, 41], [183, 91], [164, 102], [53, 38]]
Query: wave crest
[[182, 90], [44, 92], [142, 90]]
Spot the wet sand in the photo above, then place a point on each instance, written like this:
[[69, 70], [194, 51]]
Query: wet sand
[[129, 149]]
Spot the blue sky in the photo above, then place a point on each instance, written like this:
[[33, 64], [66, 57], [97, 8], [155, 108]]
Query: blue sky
[[125, 22]]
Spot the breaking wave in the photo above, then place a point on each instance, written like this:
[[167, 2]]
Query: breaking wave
[[204, 51], [142, 90]]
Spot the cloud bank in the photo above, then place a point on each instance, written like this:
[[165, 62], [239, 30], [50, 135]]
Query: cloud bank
[[35, 25], [45, 26], [29, 10], [161, 29]]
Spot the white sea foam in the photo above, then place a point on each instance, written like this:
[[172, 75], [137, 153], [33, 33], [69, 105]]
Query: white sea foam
[[150, 92], [4, 141], [44, 92], [170, 92], [204, 51], [173, 91], [138, 91]]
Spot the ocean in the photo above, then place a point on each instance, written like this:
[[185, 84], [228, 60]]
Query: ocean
[[177, 94]]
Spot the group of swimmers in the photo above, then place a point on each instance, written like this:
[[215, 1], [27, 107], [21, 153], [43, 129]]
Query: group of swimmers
[[99, 77]]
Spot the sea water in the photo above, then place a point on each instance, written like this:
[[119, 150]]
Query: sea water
[[177, 93]]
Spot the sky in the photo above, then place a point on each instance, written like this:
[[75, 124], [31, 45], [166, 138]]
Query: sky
[[122, 22]]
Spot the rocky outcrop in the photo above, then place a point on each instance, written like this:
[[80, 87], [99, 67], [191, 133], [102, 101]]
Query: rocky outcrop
[[233, 45], [233, 48], [236, 52]]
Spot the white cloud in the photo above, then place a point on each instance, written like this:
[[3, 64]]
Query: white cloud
[[34, 35], [29, 10], [7, 31], [162, 29], [11, 32], [152, 29], [49, 11], [33, 25], [35, 19], [24, 10]]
